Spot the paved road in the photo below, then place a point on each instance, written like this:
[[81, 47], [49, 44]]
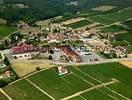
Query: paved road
[[97, 62]]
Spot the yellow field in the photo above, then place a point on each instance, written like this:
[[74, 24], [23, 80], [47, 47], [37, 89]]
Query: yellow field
[[24, 67], [2, 21], [104, 8], [130, 55], [127, 63], [74, 20]]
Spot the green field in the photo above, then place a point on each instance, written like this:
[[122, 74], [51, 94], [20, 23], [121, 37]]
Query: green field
[[5, 30], [129, 48], [125, 36], [113, 28], [80, 79], [119, 43], [2, 97], [124, 39], [96, 95], [113, 17], [128, 24], [23, 90], [79, 24]]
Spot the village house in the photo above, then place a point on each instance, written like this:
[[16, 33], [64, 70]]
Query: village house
[[55, 37], [108, 50], [62, 70], [23, 26], [96, 45], [120, 52], [74, 37], [86, 37], [23, 51], [70, 54], [6, 74]]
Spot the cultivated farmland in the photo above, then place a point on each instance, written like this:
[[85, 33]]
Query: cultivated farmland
[[23, 90], [79, 24], [125, 36], [113, 17], [113, 28], [128, 23], [5, 30], [2, 97], [109, 81]]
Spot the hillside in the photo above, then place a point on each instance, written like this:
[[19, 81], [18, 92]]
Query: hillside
[[32, 10]]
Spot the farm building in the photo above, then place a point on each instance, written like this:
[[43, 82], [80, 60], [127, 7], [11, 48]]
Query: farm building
[[62, 70]]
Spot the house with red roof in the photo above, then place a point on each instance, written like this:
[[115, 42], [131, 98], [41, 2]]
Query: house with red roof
[[22, 51], [69, 53]]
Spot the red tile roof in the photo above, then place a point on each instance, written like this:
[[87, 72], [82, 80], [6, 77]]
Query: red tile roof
[[69, 52], [55, 37], [22, 49]]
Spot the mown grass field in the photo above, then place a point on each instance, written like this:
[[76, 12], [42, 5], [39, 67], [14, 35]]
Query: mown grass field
[[5, 30], [113, 28], [79, 24], [113, 17], [80, 79]]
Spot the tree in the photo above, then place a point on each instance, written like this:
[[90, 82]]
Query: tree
[[6, 61], [51, 51], [50, 57], [3, 83], [2, 47], [38, 69]]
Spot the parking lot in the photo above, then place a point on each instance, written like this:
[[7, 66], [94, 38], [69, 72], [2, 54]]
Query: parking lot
[[90, 57]]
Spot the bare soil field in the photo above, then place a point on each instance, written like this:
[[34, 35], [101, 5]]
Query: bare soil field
[[24, 67], [31, 29], [42, 23], [104, 8], [73, 20], [3, 21], [130, 55]]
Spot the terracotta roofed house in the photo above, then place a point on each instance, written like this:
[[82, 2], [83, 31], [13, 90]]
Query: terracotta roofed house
[[23, 51], [72, 55]]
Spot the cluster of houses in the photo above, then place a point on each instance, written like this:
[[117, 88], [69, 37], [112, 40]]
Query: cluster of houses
[[25, 51], [4, 71], [62, 37], [6, 74], [58, 33]]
